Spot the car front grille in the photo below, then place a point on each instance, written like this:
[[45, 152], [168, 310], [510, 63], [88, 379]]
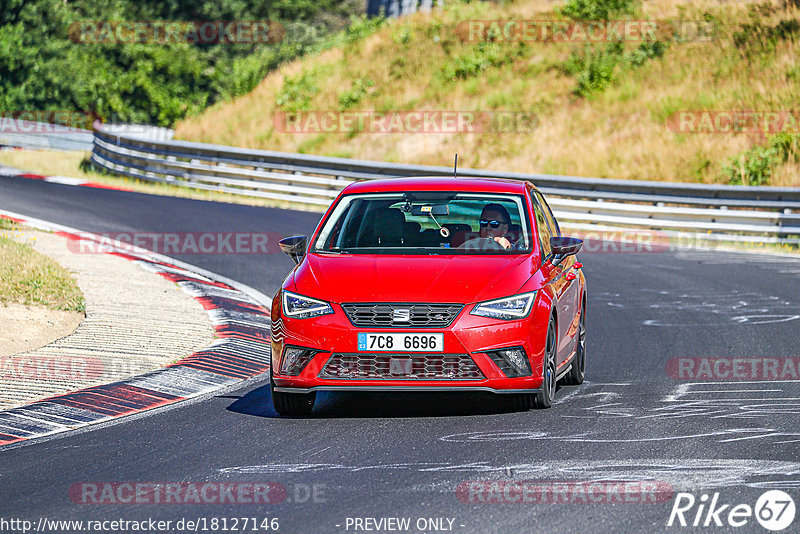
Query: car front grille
[[421, 367], [388, 315]]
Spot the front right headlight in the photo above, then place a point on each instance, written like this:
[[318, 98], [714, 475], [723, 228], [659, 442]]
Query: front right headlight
[[300, 307], [508, 309]]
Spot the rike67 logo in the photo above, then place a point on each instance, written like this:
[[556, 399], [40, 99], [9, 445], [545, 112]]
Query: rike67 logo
[[774, 510]]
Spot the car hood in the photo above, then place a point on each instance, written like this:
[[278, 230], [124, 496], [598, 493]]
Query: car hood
[[383, 278]]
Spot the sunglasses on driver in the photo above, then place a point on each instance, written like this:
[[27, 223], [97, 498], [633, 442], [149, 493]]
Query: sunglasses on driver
[[491, 224]]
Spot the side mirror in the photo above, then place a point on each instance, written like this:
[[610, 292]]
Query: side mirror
[[294, 247], [563, 247]]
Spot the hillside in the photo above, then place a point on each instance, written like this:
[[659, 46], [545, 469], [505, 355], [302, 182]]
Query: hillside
[[607, 109]]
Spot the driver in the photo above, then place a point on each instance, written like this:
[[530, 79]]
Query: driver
[[494, 224]]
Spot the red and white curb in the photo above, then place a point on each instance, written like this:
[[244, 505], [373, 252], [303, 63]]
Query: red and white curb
[[11, 172], [242, 324]]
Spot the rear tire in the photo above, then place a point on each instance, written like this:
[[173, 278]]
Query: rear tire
[[577, 373], [547, 393], [292, 403]]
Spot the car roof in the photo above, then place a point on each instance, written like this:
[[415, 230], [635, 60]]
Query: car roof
[[438, 183]]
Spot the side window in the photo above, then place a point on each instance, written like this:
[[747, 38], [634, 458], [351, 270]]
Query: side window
[[554, 228], [542, 228]]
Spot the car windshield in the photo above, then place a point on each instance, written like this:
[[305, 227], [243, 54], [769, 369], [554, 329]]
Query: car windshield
[[419, 223]]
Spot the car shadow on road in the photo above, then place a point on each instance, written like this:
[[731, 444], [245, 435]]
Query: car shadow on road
[[258, 402]]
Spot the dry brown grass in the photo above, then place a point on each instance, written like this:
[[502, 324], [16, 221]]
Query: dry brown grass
[[619, 133]]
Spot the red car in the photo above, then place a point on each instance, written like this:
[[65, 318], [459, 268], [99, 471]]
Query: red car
[[430, 284]]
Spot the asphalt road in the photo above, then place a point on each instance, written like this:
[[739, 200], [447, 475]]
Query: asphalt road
[[435, 457]]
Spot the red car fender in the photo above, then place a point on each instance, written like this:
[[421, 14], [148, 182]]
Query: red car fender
[[539, 318]]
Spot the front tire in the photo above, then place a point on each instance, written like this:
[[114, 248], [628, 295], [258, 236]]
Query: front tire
[[577, 373], [547, 393], [291, 403], [524, 401]]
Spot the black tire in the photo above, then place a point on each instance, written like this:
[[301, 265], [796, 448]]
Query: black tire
[[292, 403], [524, 401], [547, 394], [577, 373]]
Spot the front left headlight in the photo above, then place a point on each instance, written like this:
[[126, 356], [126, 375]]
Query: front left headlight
[[508, 309], [300, 307]]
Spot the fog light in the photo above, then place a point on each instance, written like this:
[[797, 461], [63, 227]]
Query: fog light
[[295, 360], [512, 361]]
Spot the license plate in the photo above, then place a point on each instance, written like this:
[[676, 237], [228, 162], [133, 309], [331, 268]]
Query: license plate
[[400, 342]]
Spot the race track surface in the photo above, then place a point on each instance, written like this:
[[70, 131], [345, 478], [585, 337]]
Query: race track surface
[[436, 456]]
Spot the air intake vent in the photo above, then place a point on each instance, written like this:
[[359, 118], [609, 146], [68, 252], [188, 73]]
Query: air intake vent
[[402, 367]]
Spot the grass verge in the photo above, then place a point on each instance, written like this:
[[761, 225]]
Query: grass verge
[[28, 277]]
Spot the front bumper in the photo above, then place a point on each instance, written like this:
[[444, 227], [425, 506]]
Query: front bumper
[[467, 335], [414, 388]]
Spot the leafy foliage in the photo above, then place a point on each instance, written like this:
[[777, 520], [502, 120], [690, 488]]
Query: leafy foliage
[[42, 69], [755, 166], [356, 93], [297, 92], [756, 37], [477, 59], [596, 68], [598, 9]]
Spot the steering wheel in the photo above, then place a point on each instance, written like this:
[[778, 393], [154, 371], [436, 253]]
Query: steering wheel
[[482, 243]]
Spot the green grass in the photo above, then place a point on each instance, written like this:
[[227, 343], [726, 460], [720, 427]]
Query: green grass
[[28, 277]]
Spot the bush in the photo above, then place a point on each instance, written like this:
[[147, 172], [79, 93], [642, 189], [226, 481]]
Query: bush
[[756, 37], [297, 92], [596, 68], [480, 57], [362, 27], [645, 52], [154, 83], [755, 166], [598, 9], [358, 90], [787, 147]]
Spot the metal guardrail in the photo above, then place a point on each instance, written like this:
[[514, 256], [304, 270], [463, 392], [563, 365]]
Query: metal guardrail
[[734, 213], [43, 136], [39, 135]]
